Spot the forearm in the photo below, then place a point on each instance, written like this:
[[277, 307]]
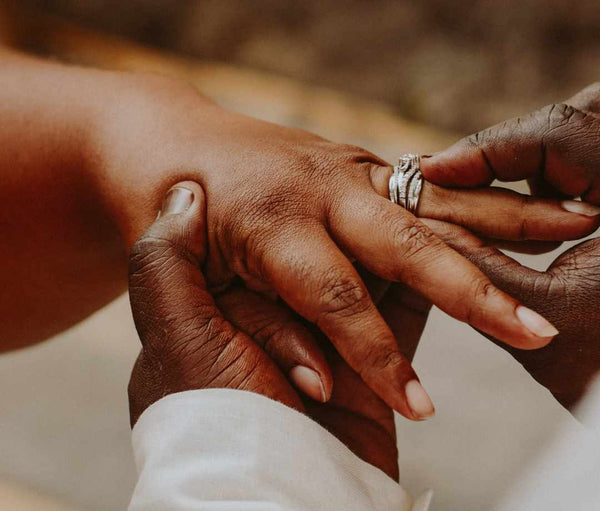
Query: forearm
[[67, 216]]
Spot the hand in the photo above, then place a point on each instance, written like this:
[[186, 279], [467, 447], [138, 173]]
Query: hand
[[557, 148], [568, 293], [287, 211], [355, 414], [188, 344]]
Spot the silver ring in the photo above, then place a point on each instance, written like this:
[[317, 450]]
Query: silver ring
[[406, 182]]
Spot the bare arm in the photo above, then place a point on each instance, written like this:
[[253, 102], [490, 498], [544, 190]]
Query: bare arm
[[86, 156], [61, 255]]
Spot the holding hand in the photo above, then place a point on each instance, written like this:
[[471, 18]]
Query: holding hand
[[288, 212], [189, 344], [557, 149], [568, 293]]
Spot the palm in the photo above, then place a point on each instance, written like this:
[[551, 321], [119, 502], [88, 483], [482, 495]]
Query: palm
[[568, 294]]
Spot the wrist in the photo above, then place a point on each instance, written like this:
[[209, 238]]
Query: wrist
[[142, 132]]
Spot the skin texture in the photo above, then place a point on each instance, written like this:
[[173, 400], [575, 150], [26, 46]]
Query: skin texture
[[557, 149], [287, 214], [568, 293], [188, 344], [86, 157]]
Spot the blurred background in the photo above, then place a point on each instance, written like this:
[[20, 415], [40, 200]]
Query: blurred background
[[391, 75]]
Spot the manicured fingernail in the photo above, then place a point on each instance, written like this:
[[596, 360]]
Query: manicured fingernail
[[309, 382], [418, 400], [177, 201], [535, 323], [581, 208]]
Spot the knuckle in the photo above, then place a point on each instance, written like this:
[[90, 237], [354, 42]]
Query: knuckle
[[563, 122], [483, 289], [524, 205], [413, 238], [480, 140], [151, 254], [343, 296], [571, 133], [385, 358], [476, 139], [357, 155], [480, 292], [559, 114], [269, 333]]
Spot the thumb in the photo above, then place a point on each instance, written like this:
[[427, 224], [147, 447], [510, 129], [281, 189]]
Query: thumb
[[187, 344], [164, 266]]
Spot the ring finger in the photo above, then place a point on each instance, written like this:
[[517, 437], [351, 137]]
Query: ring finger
[[500, 213]]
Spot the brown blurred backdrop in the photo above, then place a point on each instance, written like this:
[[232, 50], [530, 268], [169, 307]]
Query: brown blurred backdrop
[[394, 76], [457, 65]]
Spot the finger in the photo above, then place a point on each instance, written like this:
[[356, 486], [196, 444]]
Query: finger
[[360, 419], [176, 317], [558, 143], [588, 99], [315, 279], [540, 188], [403, 249], [405, 311], [524, 247], [505, 272], [579, 262], [500, 213], [277, 331]]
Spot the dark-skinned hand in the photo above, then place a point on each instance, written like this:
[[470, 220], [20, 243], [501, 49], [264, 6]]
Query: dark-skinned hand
[[288, 212], [245, 341], [568, 293], [558, 150]]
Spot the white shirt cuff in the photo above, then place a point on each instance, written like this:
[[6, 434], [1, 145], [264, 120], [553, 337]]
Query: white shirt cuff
[[223, 450]]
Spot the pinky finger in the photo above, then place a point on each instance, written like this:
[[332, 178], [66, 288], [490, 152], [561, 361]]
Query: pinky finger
[[276, 329]]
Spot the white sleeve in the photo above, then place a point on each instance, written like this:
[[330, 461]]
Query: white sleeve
[[227, 450], [567, 474]]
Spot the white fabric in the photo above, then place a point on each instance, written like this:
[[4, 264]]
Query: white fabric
[[227, 450], [567, 475]]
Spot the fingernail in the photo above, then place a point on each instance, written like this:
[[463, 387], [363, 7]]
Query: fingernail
[[581, 208], [535, 323], [177, 201], [309, 382], [418, 400]]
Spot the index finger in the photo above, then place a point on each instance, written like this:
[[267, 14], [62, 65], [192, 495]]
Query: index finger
[[395, 245], [558, 143]]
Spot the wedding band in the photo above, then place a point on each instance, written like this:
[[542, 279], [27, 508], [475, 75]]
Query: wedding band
[[406, 182]]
